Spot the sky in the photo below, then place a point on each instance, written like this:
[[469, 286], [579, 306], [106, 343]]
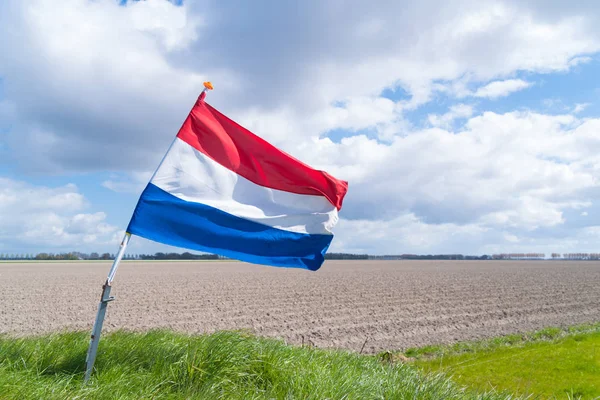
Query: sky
[[468, 128]]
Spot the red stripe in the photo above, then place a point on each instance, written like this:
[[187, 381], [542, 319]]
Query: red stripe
[[246, 154]]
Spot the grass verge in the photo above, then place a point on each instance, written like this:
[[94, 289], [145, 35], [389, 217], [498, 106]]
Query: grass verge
[[552, 363], [224, 365]]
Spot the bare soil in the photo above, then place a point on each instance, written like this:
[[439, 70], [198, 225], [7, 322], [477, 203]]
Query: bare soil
[[389, 304]]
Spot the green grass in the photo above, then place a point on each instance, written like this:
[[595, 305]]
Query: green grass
[[552, 363], [224, 365]]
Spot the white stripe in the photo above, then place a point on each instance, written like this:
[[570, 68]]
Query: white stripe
[[192, 176]]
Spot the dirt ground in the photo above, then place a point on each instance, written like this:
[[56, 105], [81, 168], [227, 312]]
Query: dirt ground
[[388, 304]]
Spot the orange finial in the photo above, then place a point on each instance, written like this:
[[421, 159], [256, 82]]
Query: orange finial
[[208, 85]]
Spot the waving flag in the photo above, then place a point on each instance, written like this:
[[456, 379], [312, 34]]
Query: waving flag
[[224, 190]]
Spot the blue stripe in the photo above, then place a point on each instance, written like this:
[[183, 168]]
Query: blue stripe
[[164, 218]]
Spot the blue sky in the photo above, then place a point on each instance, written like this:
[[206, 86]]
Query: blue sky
[[472, 128]]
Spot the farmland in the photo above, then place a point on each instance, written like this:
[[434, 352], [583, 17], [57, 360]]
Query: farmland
[[357, 305]]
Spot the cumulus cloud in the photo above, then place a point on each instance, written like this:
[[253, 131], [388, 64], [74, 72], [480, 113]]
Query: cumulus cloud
[[521, 170], [49, 218], [132, 182], [90, 84], [455, 112], [404, 233], [580, 107], [497, 89], [110, 86]]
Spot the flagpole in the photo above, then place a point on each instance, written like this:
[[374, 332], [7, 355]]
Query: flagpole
[[106, 297]]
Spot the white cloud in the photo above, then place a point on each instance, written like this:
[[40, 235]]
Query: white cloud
[[579, 107], [403, 234], [132, 182], [40, 217], [101, 91], [521, 171], [287, 128], [497, 89], [455, 112], [108, 79], [19, 194], [172, 26], [528, 213], [111, 85]]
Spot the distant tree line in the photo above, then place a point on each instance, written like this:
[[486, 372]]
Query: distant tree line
[[346, 256], [519, 256], [41, 256], [577, 256], [177, 256], [541, 256], [429, 257], [75, 255]]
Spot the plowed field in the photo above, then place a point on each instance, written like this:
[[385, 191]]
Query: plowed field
[[387, 304]]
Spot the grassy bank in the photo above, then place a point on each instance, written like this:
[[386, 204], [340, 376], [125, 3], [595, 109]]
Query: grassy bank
[[166, 365], [552, 363]]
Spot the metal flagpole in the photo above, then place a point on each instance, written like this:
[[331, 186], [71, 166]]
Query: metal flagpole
[[104, 299]]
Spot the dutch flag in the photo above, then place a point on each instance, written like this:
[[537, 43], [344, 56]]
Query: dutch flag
[[221, 189]]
